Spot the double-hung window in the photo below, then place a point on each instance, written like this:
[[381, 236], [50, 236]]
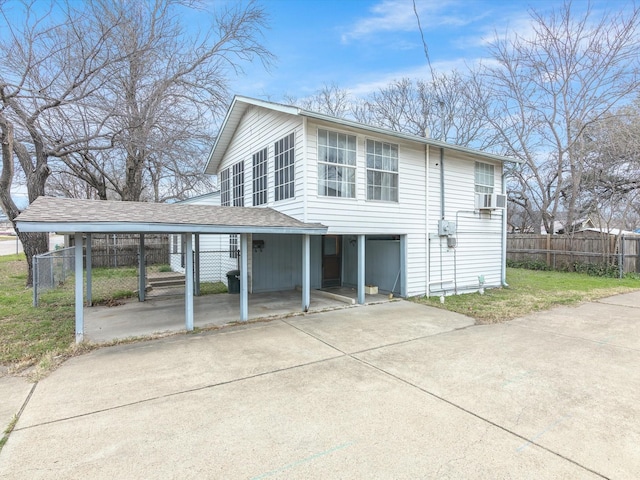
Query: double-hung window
[[382, 171], [225, 188], [260, 177], [238, 184], [484, 178], [336, 164], [284, 168]]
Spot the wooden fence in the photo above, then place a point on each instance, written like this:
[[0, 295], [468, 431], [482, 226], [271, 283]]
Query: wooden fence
[[564, 252], [108, 250]]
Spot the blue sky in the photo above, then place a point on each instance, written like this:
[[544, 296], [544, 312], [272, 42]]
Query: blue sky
[[361, 45]]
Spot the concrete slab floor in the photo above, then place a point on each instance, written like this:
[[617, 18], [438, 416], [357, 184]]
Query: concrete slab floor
[[166, 314]]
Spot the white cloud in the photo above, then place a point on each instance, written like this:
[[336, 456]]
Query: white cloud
[[399, 16]]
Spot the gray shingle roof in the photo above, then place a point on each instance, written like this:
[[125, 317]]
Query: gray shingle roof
[[77, 215]]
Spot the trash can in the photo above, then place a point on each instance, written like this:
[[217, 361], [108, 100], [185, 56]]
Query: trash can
[[233, 281]]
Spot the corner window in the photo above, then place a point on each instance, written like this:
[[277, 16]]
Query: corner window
[[284, 173], [336, 164], [382, 171], [225, 188], [238, 184], [260, 177], [484, 178]]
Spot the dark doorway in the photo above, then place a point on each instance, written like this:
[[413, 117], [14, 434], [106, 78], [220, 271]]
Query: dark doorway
[[331, 261]]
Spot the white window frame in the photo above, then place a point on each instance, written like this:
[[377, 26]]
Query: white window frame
[[233, 246], [284, 167], [484, 177], [382, 171], [225, 188], [260, 167], [337, 158], [238, 184]]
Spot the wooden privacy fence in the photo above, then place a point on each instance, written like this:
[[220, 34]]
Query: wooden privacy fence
[[564, 252], [108, 250]]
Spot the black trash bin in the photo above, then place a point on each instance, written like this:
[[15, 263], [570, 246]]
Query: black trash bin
[[233, 281]]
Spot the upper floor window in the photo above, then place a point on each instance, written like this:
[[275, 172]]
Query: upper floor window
[[284, 172], [336, 164], [484, 178], [225, 188], [382, 171], [260, 177], [238, 184]]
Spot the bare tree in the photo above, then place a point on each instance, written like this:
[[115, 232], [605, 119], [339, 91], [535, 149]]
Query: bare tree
[[163, 102], [39, 78], [548, 89], [330, 99]]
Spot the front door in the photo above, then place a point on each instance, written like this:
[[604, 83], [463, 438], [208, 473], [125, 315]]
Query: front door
[[331, 260]]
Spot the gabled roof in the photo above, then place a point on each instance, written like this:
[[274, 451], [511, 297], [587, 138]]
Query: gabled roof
[[70, 215], [240, 104]]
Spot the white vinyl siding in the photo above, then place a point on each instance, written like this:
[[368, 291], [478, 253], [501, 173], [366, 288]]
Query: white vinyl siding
[[484, 177], [238, 184], [382, 171], [260, 177], [284, 167], [336, 164]]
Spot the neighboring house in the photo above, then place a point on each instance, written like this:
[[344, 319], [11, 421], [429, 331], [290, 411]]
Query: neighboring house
[[218, 254], [430, 215]]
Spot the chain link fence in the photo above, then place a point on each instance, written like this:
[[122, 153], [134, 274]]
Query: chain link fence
[[115, 275]]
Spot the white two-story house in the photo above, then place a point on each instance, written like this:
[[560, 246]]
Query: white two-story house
[[414, 215]]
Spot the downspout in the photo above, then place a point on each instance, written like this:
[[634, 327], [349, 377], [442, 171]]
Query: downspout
[[504, 234], [305, 159], [427, 242], [441, 207]]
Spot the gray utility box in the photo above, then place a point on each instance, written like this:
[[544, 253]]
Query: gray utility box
[[446, 228]]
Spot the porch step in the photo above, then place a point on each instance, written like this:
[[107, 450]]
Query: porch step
[[168, 279]]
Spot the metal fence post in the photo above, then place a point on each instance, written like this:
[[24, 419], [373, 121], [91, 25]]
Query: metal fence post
[[34, 279]]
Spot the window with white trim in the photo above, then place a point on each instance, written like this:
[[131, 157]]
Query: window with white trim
[[284, 169], [233, 246], [484, 177], [225, 188], [336, 164], [238, 184], [382, 171], [260, 177]]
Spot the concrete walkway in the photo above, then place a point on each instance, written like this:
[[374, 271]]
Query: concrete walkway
[[394, 390]]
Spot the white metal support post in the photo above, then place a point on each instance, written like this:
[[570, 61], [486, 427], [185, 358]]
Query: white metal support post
[[188, 285], [361, 259], [244, 287], [79, 290], [89, 269], [142, 271], [306, 273]]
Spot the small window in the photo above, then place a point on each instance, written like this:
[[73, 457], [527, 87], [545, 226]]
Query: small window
[[484, 178], [382, 171], [238, 184], [260, 177], [234, 251], [336, 164], [284, 172], [174, 244], [225, 188]]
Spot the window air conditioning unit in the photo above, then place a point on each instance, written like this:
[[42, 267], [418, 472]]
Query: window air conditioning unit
[[490, 201]]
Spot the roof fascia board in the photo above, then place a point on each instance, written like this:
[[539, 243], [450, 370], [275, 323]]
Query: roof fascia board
[[124, 227]]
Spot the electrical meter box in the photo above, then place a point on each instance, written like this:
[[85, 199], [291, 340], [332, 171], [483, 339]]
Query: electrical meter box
[[446, 228]]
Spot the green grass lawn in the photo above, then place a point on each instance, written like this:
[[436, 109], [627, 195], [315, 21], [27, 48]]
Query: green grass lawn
[[531, 291]]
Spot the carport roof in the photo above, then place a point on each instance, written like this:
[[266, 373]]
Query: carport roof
[[70, 215]]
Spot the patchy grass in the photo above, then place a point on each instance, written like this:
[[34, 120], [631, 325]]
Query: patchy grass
[[532, 291], [27, 333], [44, 337]]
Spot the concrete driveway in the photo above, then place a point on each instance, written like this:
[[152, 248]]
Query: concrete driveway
[[394, 390]]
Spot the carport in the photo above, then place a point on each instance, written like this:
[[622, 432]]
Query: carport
[[85, 217]]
